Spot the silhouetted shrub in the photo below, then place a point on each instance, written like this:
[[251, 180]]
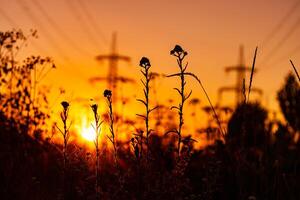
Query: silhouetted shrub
[[247, 125], [289, 101], [22, 101]]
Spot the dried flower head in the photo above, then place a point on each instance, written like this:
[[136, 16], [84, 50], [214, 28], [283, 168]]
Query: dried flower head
[[107, 93], [145, 62], [65, 105], [94, 108], [177, 51]]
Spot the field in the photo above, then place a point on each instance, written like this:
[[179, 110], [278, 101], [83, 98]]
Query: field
[[249, 156]]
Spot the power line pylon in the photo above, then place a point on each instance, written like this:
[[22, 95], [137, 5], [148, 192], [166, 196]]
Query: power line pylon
[[113, 59], [240, 70]]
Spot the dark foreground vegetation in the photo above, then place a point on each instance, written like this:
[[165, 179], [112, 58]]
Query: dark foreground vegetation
[[255, 157]]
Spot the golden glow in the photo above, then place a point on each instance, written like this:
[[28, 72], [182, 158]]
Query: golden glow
[[86, 130], [209, 52], [88, 133]]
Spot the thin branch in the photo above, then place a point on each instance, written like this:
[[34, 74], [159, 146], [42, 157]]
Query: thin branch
[[295, 70], [142, 116]]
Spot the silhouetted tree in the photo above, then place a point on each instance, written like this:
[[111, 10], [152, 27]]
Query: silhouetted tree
[[22, 102], [289, 101], [247, 125]]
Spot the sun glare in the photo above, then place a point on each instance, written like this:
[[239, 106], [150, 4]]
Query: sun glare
[[88, 133]]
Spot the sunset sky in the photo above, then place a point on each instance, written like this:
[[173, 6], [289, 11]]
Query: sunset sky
[[73, 32]]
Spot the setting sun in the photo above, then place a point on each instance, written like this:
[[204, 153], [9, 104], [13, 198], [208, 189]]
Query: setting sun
[[88, 133], [86, 130]]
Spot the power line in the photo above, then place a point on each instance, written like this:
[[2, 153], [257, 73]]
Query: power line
[[8, 18], [40, 24], [14, 24], [93, 40], [282, 41], [281, 23], [294, 51], [286, 56], [55, 26], [92, 20], [32, 17]]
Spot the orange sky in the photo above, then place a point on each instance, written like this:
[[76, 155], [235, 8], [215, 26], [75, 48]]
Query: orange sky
[[210, 30]]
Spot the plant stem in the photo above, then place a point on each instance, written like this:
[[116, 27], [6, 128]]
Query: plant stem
[[147, 110], [97, 169], [96, 116], [181, 104], [111, 116]]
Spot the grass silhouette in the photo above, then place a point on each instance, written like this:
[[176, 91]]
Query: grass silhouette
[[257, 157]]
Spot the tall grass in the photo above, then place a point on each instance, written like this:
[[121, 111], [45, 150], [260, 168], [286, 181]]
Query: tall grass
[[295, 70], [252, 73], [243, 160]]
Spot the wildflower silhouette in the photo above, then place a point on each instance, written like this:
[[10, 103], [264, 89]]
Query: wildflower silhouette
[[112, 138], [65, 132], [97, 129], [179, 53], [257, 150], [65, 105], [94, 108], [145, 65], [107, 93], [66, 135]]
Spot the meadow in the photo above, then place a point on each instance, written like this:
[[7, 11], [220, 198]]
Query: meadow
[[250, 156]]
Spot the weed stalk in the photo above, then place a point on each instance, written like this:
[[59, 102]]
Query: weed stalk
[[97, 128], [145, 65], [112, 137], [66, 135]]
